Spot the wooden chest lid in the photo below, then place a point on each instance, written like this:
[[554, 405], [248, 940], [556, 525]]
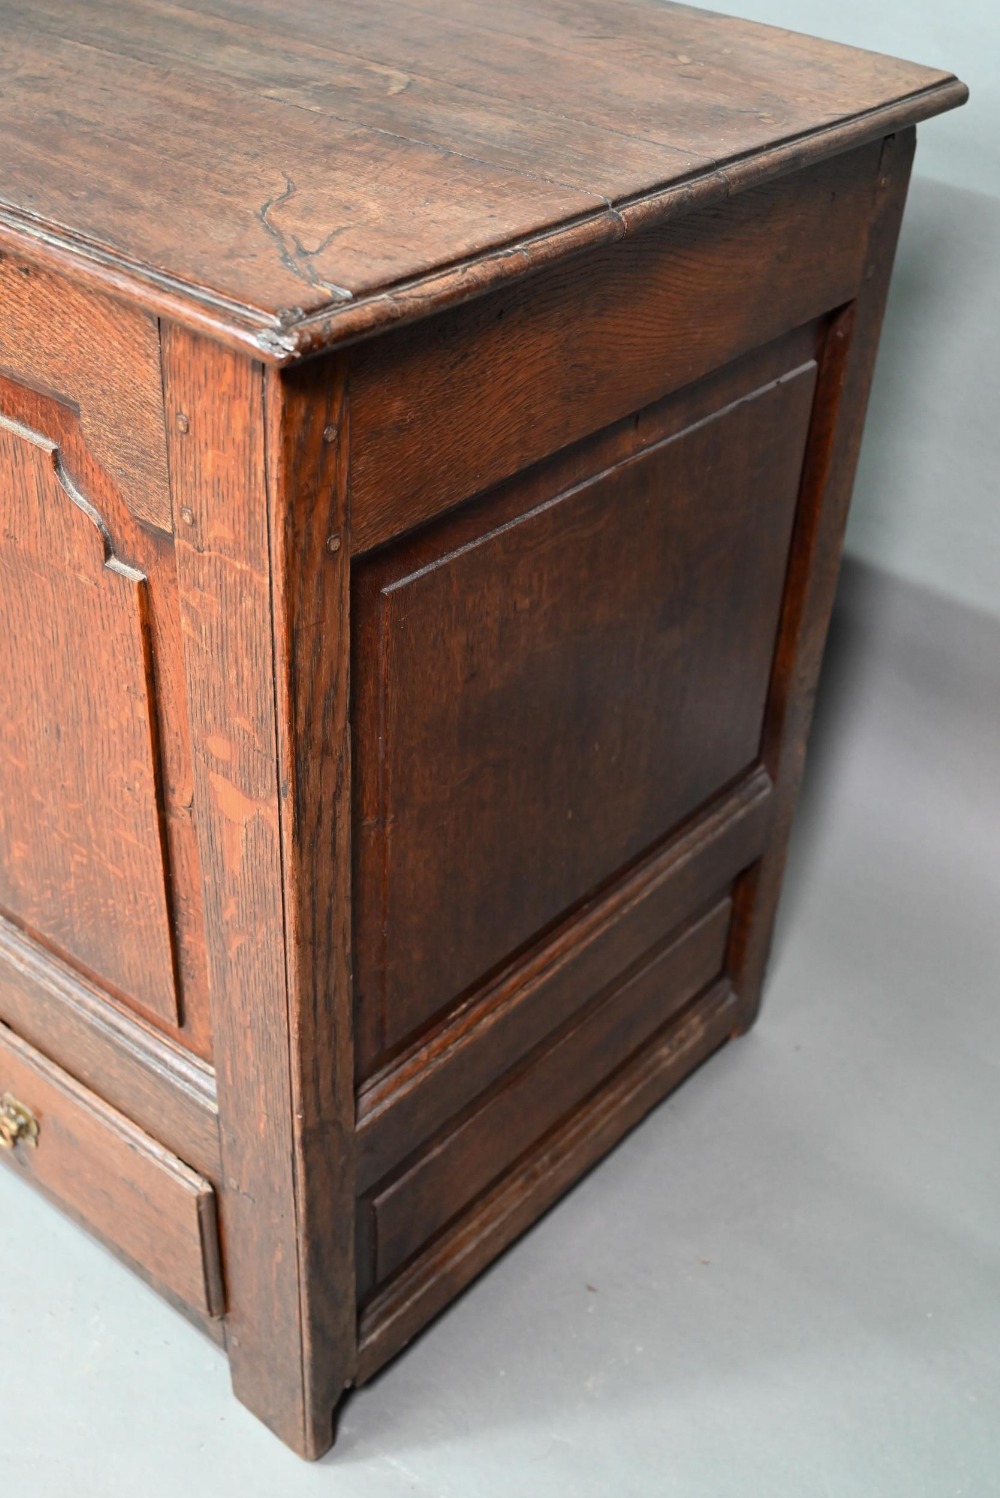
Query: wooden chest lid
[[295, 173]]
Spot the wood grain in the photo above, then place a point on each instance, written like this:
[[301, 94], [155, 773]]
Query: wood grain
[[102, 358], [267, 682], [216, 437], [517, 707], [291, 178], [155, 1082], [116, 1180], [459, 1166], [527, 373], [85, 857], [309, 217], [308, 506]]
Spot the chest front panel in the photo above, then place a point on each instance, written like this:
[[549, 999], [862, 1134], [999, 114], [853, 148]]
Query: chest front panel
[[98, 859]]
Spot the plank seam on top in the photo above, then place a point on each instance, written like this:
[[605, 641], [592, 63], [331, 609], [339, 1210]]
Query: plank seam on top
[[239, 86]]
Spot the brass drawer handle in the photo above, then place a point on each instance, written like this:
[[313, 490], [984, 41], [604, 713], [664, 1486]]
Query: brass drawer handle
[[18, 1125]]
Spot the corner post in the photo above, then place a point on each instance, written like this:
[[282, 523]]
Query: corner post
[[841, 402], [258, 464]]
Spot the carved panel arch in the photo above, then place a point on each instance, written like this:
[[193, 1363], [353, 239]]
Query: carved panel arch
[[83, 850]]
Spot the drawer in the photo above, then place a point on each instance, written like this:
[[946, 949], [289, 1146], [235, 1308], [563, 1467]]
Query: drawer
[[141, 1200]]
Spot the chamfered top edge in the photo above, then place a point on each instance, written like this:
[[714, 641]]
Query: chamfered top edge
[[290, 334]]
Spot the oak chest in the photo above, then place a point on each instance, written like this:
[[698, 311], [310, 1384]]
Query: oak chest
[[426, 436]]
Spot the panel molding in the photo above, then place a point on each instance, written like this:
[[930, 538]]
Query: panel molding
[[500, 1023], [527, 373], [415, 1204], [104, 359], [120, 928], [158, 1084], [437, 1275], [53, 452], [513, 688]]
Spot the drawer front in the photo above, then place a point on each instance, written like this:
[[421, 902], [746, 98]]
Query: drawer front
[[136, 1196], [550, 682]]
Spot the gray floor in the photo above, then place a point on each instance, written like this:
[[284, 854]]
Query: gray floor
[[786, 1282]]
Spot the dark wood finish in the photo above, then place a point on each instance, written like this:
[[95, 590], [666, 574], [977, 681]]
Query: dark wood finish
[[494, 1029], [427, 1285], [528, 374], [504, 683], [409, 1210], [399, 745], [845, 380], [159, 1085], [363, 156], [116, 1180]]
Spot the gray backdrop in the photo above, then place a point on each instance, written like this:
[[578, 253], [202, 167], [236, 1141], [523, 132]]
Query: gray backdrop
[[926, 505]]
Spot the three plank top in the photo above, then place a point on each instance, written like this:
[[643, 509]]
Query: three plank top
[[290, 174]]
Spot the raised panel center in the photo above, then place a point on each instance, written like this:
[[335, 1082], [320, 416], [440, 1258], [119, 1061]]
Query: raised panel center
[[543, 696], [82, 862]]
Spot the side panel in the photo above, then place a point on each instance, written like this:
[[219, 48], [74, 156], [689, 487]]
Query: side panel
[[581, 696], [458, 1167], [549, 686], [446, 408]]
